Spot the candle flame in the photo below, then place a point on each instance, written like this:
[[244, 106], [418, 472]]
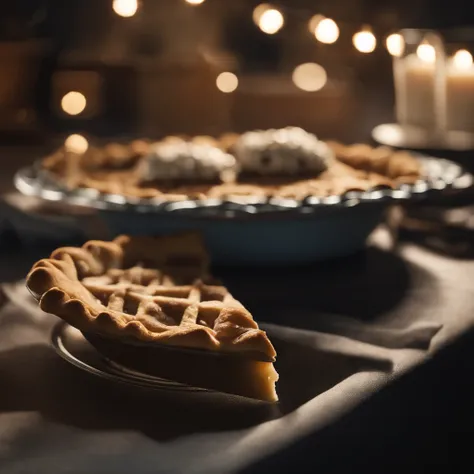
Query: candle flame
[[463, 59], [426, 52]]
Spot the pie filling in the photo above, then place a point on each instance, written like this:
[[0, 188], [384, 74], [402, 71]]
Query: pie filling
[[228, 373], [288, 163]]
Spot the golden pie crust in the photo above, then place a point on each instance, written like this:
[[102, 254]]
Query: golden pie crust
[[154, 290], [115, 168]]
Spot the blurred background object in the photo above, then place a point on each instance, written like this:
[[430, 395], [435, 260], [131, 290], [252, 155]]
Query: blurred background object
[[21, 52], [113, 67]]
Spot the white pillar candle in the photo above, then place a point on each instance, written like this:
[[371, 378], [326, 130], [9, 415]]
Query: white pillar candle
[[415, 89], [460, 92]]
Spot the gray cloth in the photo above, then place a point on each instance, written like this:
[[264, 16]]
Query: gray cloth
[[342, 331]]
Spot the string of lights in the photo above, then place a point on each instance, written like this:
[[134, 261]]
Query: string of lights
[[271, 18]]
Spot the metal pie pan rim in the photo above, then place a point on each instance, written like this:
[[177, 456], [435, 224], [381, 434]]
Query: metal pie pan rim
[[34, 182]]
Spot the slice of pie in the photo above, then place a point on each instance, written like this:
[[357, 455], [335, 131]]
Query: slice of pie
[[149, 304], [285, 163]]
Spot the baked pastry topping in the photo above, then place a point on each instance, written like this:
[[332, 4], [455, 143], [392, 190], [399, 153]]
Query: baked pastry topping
[[288, 163], [287, 151], [157, 292], [186, 160], [399, 166]]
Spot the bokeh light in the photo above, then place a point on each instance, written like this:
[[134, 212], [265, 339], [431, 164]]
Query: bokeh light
[[76, 144], [268, 18], [395, 44], [310, 77], [125, 8], [73, 103], [227, 82], [364, 41], [326, 31]]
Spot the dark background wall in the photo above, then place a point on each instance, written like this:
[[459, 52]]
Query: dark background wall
[[174, 30]]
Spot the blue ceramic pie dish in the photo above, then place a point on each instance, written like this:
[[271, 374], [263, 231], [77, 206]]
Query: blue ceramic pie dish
[[256, 232], [284, 239]]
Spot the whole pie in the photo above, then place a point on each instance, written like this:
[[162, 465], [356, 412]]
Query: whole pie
[[286, 163], [150, 305]]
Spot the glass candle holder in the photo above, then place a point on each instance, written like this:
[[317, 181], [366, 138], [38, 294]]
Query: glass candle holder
[[419, 78], [459, 92]]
